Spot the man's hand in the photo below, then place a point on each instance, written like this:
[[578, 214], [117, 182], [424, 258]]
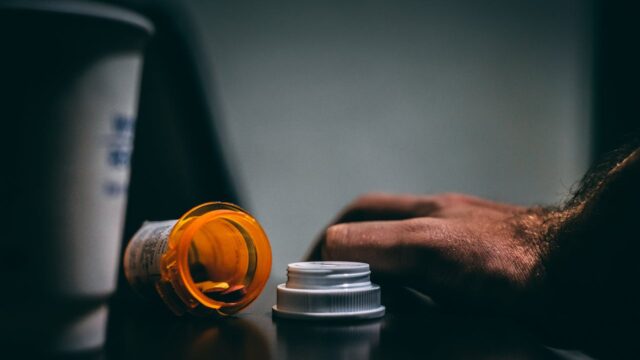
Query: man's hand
[[571, 271], [460, 250]]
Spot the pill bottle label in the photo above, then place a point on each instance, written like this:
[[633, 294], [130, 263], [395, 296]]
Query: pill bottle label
[[144, 253]]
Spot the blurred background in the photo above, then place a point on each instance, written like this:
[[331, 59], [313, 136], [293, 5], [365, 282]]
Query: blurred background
[[314, 103], [294, 108], [321, 101]]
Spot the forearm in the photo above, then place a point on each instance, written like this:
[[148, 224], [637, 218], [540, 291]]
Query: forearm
[[591, 264]]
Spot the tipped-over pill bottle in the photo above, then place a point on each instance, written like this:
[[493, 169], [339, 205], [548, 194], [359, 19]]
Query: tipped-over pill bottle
[[214, 260]]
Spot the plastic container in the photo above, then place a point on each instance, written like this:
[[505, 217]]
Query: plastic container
[[215, 260]]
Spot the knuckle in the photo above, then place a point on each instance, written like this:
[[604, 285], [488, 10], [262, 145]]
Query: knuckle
[[335, 233], [414, 226], [431, 205]]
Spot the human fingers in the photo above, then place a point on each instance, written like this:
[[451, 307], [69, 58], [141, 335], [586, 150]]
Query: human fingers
[[387, 206], [370, 207], [391, 248]]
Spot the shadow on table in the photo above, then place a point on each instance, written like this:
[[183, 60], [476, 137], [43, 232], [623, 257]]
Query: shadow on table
[[157, 334]]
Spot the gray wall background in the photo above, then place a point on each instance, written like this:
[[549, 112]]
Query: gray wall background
[[324, 100]]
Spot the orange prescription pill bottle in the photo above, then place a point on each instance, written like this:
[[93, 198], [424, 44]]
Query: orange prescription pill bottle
[[214, 260]]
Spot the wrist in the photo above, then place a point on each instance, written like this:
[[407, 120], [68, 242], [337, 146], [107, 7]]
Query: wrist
[[590, 264], [536, 231]]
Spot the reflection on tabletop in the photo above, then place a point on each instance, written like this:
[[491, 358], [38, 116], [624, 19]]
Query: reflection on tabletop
[[142, 330]]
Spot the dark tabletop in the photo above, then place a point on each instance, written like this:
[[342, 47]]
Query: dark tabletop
[[144, 330]]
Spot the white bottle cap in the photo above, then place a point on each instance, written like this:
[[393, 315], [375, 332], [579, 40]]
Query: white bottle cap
[[328, 290]]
